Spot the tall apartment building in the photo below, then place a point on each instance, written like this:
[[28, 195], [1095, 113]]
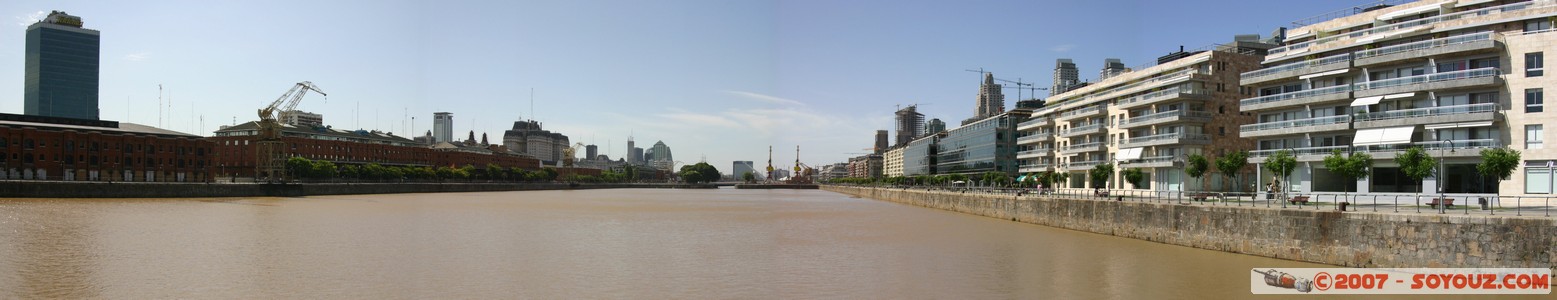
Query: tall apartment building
[[741, 167], [1452, 77], [892, 162], [61, 68], [443, 127], [934, 126], [1148, 119], [1111, 67], [910, 125], [1065, 76], [881, 142]]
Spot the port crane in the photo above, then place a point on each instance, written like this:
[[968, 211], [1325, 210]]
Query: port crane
[[271, 151]]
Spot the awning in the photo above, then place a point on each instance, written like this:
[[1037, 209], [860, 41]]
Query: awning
[[1128, 154], [1411, 11], [1383, 136], [1341, 71], [1364, 101], [1458, 125], [1401, 95], [1021, 178]]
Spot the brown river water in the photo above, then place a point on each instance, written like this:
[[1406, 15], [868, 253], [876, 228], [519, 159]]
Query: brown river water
[[624, 243]]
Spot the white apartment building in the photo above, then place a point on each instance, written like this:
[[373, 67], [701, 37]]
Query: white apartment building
[[1151, 118], [892, 162], [1452, 77]]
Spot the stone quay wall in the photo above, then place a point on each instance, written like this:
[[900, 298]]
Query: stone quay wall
[[1351, 239], [61, 189]]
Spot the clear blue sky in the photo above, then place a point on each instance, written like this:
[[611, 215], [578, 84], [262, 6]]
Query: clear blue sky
[[720, 78]]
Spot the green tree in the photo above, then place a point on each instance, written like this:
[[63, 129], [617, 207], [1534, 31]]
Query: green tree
[[1417, 164], [298, 166], [749, 177], [494, 171], [1352, 167], [1281, 163], [1059, 177], [1196, 166], [1100, 175], [1134, 176], [705, 173], [1498, 163], [1229, 165], [993, 178]]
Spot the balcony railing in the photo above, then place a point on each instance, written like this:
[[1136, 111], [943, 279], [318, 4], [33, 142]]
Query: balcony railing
[[1153, 159], [1296, 95], [1283, 51], [1039, 121], [1082, 147], [1429, 111], [1425, 78], [1167, 114], [1154, 96], [1343, 57], [1147, 82], [1084, 164], [1036, 136], [1083, 111], [1170, 136], [1433, 146], [1039, 151], [1295, 123], [1321, 150], [1083, 128], [1428, 44]]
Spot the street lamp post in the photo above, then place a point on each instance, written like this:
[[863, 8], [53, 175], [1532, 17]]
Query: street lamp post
[[1442, 207], [1179, 160]]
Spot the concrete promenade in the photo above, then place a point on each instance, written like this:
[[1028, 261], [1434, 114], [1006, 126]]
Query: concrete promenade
[[1382, 239], [68, 189]]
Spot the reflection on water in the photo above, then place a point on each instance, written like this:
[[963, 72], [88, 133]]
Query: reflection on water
[[578, 244]]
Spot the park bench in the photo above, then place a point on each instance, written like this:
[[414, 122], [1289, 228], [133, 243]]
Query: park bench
[[1299, 200], [1200, 196], [1446, 202]]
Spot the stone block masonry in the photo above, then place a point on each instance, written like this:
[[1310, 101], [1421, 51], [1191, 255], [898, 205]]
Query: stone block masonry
[[1351, 239]]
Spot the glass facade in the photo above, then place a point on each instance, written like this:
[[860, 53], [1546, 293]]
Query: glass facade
[[983, 146], [919, 157], [62, 71]]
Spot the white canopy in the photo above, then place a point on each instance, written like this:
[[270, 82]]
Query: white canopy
[[1383, 136], [1365, 101], [1400, 95], [1128, 154], [1321, 74]]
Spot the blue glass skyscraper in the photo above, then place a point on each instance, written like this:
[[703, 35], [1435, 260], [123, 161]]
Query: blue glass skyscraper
[[62, 63]]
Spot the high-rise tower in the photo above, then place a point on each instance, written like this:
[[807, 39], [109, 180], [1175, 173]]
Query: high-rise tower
[[62, 68], [1065, 76], [443, 127], [990, 101], [1111, 67], [910, 124]]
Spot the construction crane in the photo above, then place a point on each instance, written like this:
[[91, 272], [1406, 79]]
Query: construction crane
[[1022, 86], [271, 152], [569, 152]]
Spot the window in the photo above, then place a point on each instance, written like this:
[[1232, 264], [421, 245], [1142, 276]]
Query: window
[[1533, 136], [1538, 25], [1538, 178], [1491, 62], [1533, 62], [1533, 100]]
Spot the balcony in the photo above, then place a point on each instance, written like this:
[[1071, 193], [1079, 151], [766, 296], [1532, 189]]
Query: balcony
[[1151, 162], [1426, 82], [1456, 148], [1302, 153], [1297, 126], [1079, 113], [1178, 138], [1167, 117], [1428, 48], [1513, 10], [1330, 63], [1309, 96], [1083, 130], [1082, 165], [1036, 137], [1081, 148], [1174, 93], [1034, 123], [1428, 115], [1040, 152], [1034, 168]]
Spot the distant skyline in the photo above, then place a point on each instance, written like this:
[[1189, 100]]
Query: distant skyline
[[716, 79]]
